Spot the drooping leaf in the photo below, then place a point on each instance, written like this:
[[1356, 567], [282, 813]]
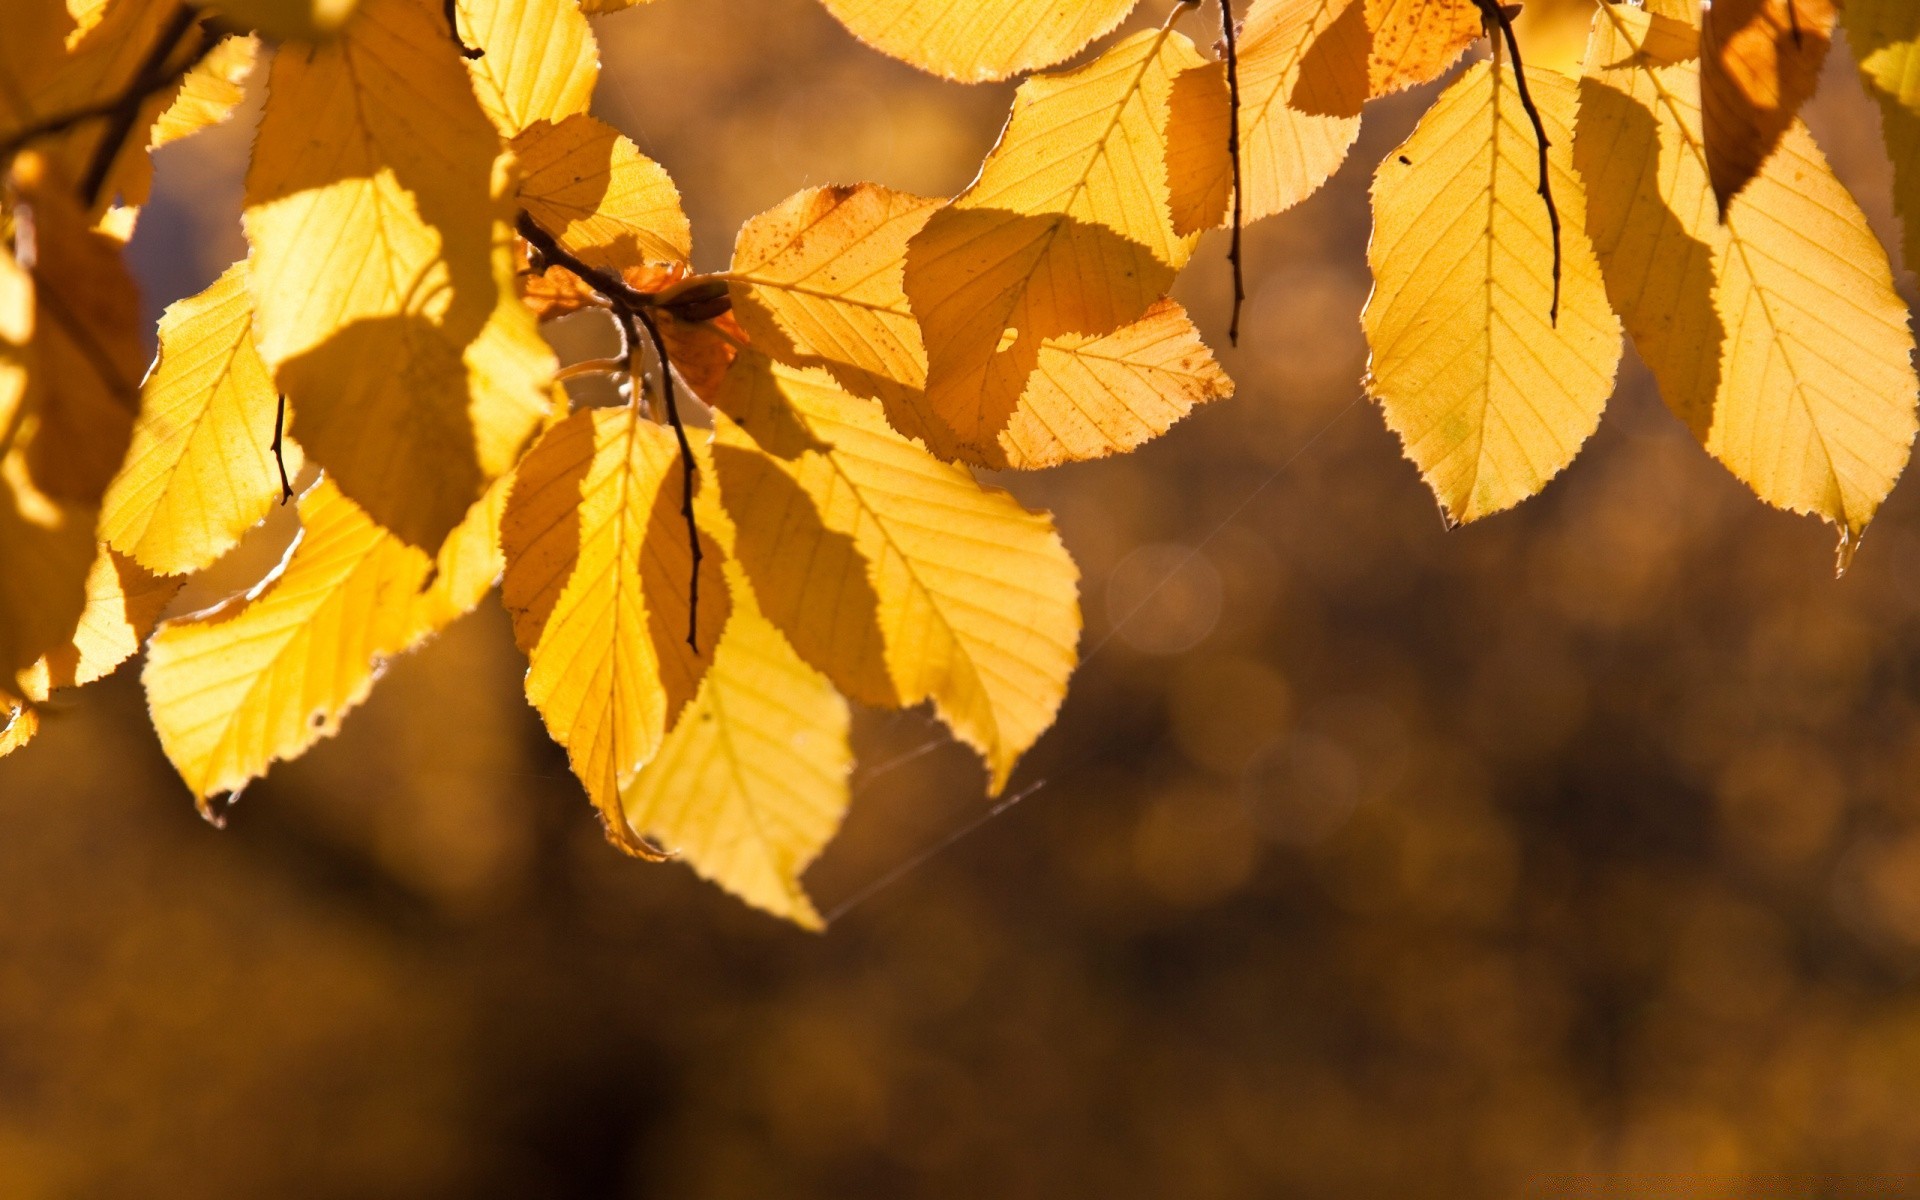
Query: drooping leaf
[[751, 781], [201, 470], [264, 678], [597, 573], [975, 42], [1490, 394], [1885, 38], [1414, 41], [210, 92], [382, 273], [1760, 61], [900, 577], [1067, 230], [123, 602], [537, 59], [604, 201], [1776, 336], [1303, 78]]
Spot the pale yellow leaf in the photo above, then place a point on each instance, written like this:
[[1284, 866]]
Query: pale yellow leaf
[[123, 602], [201, 470], [1885, 38], [46, 549], [382, 272], [982, 39], [1303, 78], [266, 677], [900, 577], [537, 62], [597, 568], [210, 92], [1414, 41], [1776, 335], [16, 343], [751, 781], [1067, 230], [1491, 396], [602, 200]]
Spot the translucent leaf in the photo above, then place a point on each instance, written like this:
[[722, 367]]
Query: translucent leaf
[[201, 470], [47, 548], [900, 577], [604, 201], [1885, 37], [1067, 230], [287, 20], [986, 39], [211, 91], [123, 602], [1490, 395], [18, 723], [597, 576], [1303, 78], [1776, 336], [537, 61], [1760, 60], [1414, 41], [382, 272]]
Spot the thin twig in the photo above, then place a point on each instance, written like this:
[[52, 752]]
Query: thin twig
[[1233, 152], [279, 449], [1500, 25], [152, 76], [614, 288], [687, 471], [453, 27]]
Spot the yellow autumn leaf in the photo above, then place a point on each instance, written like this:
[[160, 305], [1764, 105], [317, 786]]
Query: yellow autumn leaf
[[210, 92], [979, 41], [47, 548], [123, 602], [266, 676], [900, 577], [605, 202], [595, 7], [382, 272], [287, 20], [597, 573], [201, 470], [1759, 62], [18, 723], [1414, 41], [536, 61], [1303, 78], [1885, 38], [1491, 396], [16, 344], [817, 281], [751, 781], [1776, 336], [1067, 230]]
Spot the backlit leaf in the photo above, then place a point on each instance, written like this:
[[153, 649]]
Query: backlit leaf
[[900, 577], [1885, 38], [211, 91], [47, 548], [1760, 61], [1414, 41], [382, 272], [1303, 78], [201, 470], [287, 20], [18, 723], [601, 199], [982, 40], [123, 602], [1490, 395], [537, 61]]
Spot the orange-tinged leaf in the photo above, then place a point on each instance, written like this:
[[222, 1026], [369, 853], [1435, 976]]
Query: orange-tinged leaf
[[987, 39], [537, 62], [751, 781], [382, 272], [602, 200], [597, 573], [1776, 335], [1490, 395], [1760, 61], [1068, 230], [1414, 41], [201, 470], [47, 548], [16, 343], [899, 576], [123, 602], [266, 677]]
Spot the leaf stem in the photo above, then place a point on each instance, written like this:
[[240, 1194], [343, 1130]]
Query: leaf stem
[[279, 451], [1500, 25], [1233, 152], [152, 77]]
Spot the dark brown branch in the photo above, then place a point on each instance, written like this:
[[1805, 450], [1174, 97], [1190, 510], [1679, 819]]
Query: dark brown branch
[[1500, 26], [279, 449], [453, 28], [630, 308], [1233, 152], [152, 77]]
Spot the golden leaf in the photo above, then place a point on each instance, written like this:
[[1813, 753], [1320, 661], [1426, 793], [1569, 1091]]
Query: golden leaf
[[1414, 41], [900, 577], [210, 92], [1303, 78], [201, 470], [601, 199], [975, 42], [16, 343], [1491, 396], [17, 729], [123, 602], [597, 573], [1760, 60], [1776, 336], [1885, 38], [1067, 230], [751, 781], [287, 20], [382, 272], [537, 62], [47, 548]]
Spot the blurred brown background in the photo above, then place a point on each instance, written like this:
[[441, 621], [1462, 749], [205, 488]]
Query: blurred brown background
[[1577, 852]]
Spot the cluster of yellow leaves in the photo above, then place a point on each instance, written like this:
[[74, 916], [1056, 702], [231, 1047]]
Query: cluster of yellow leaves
[[780, 515]]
